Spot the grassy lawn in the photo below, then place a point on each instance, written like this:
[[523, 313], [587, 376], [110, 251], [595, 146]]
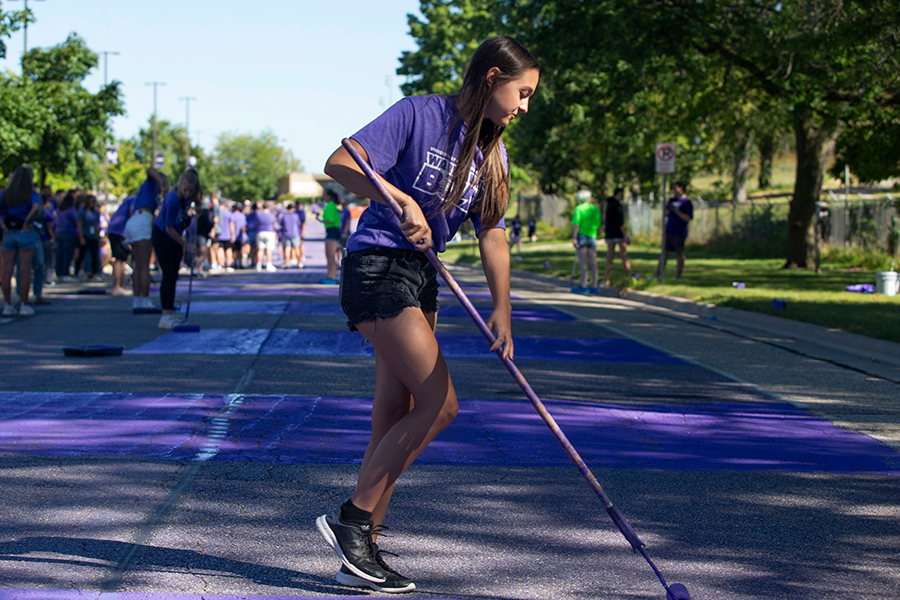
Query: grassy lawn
[[819, 299]]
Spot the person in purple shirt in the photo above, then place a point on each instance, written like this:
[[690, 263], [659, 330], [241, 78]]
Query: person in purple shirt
[[66, 236], [266, 238], [139, 233], [292, 224], [679, 212], [225, 238], [169, 241], [117, 246], [19, 205], [239, 234], [89, 236], [252, 231], [442, 159]]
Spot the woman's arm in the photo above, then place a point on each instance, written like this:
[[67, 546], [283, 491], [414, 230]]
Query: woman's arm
[[35, 208], [495, 262], [342, 168]]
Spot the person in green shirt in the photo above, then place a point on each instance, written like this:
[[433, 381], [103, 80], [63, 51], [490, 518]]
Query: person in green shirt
[[585, 223], [331, 217]]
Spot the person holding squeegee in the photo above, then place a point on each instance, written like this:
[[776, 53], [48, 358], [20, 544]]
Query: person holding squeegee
[[442, 159]]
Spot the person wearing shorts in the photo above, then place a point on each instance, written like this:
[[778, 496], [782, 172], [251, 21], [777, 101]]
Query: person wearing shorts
[[616, 234], [118, 248], [292, 240], [585, 223], [389, 289], [679, 212], [19, 205], [139, 234], [266, 238]]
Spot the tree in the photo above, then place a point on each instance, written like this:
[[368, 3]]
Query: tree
[[79, 127], [870, 145], [827, 61], [250, 165]]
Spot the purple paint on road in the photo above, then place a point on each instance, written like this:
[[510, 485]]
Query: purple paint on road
[[333, 309], [296, 342], [750, 436]]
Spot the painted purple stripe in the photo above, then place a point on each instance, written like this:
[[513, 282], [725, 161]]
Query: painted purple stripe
[[751, 436], [334, 309], [295, 342]]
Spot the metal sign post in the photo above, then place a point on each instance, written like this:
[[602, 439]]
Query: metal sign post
[[665, 164]]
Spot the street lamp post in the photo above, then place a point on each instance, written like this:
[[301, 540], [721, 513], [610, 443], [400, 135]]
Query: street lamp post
[[155, 84], [187, 129], [106, 54], [25, 29]]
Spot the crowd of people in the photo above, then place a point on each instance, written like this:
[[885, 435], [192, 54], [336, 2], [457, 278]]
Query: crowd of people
[[67, 236]]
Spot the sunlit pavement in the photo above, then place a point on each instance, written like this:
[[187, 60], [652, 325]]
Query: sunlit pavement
[[753, 464]]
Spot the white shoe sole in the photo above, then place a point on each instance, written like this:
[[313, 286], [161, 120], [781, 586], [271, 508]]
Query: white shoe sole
[[354, 581], [325, 530]]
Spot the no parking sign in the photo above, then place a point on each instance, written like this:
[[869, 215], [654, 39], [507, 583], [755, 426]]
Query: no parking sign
[[665, 158]]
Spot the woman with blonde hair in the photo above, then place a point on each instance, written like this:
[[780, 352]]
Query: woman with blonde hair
[[169, 242]]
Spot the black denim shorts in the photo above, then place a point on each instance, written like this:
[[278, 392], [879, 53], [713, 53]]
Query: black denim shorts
[[378, 283]]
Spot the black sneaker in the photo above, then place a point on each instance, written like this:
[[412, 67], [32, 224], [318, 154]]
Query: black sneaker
[[353, 545], [395, 583]]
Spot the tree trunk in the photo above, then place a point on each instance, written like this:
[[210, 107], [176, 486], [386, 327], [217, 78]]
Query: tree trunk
[[741, 166], [766, 160], [815, 139], [43, 177]]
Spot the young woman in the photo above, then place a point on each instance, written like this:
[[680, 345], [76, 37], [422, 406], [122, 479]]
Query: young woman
[[442, 159], [118, 248], [19, 205], [266, 238], [139, 233], [169, 242]]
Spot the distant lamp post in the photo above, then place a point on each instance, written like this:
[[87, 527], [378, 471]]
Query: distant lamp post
[[155, 84], [25, 28], [187, 129]]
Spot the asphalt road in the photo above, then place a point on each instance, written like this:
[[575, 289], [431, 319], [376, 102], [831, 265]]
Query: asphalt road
[[752, 463]]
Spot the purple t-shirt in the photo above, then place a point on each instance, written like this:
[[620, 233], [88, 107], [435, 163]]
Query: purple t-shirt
[[22, 210], [407, 145], [253, 221], [265, 221], [675, 225], [240, 221], [120, 217], [49, 221], [147, 196], [67, 221], [173, 214], [290, 225], [224, 225]]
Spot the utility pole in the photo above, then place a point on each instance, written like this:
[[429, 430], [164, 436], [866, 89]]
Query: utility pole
[[154, 84], [25, 29], [106, 54], [187, 130]]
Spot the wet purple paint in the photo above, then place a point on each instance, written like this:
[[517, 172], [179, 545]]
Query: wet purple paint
[[750, 436], [453, 345]]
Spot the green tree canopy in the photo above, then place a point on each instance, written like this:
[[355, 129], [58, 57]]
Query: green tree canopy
[[249, 166]]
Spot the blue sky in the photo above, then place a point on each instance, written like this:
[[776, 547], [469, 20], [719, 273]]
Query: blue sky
[[312, 71]]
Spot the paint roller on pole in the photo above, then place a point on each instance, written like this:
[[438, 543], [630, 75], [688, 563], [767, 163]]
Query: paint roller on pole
[[676, 591]]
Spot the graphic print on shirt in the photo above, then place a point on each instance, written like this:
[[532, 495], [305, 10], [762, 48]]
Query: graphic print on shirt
[[434, 177]]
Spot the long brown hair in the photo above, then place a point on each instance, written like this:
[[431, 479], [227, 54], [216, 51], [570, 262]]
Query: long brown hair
[[513, 61], [21, 186]]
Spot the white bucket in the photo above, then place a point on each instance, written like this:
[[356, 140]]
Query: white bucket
[[886, 282]]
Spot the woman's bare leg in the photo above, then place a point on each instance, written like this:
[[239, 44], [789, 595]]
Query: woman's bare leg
[[409, 351]]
